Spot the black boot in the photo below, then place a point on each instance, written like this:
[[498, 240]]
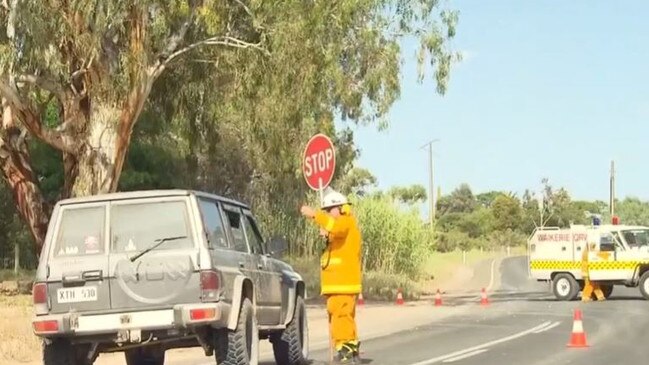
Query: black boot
[[347, 355], [357, 352]]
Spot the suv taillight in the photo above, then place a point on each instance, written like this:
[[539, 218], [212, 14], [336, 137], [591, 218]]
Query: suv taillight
[[39, 293], [39, 297], [210, 283]]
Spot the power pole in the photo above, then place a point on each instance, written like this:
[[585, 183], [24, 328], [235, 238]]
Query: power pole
[[612, 190], [431, 186]]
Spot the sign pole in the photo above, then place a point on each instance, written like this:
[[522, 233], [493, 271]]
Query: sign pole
[[321, 191]]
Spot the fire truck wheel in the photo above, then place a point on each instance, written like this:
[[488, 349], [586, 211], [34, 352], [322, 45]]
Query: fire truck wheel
[[644, 284], [565, 287]]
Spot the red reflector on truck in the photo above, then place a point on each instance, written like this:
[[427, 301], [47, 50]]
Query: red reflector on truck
[[39, 293], [209, 280], [46, 326], [201, 314]]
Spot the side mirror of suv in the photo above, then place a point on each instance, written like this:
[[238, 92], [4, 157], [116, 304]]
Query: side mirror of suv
[[276, 246]]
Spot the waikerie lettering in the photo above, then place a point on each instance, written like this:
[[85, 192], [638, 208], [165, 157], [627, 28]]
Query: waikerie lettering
[[554, 237], [579, 236], [562, 237]]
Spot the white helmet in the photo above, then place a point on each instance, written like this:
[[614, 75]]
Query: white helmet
[[333, 198]]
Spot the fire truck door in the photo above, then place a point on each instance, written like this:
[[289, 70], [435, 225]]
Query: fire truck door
[[602, 263]]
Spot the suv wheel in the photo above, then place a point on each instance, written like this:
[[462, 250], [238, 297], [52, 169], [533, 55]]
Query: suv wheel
[[291, 346], [241, 346], [58, 352], [149, 355]]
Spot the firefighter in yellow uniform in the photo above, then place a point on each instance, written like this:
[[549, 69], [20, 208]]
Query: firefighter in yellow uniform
[[589, 286], [340, 276]]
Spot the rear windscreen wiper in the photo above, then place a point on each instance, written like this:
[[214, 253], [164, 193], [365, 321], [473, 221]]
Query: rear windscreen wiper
[[155, 245]]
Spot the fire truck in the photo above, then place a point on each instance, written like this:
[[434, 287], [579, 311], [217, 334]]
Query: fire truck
[[618, 255]]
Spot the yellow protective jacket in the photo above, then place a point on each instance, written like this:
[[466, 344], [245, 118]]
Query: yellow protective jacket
[[584, 263], [341, 261]]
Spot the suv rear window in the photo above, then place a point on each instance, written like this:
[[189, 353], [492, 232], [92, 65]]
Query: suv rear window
[[81, 231], [134, 227]]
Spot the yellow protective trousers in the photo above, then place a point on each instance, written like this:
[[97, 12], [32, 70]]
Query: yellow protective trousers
[[342, 318], [591, 287]]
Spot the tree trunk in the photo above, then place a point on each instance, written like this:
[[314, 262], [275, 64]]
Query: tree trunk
[[101, 156], [15, 163]]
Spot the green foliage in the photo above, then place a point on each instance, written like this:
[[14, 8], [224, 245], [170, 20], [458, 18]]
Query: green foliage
[[461, 200], [230, 90], [409, 194], [632, 211], [507, 212], [395, 241], [495, 219], [357, 181]]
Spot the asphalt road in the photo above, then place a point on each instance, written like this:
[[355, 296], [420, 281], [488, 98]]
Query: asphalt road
[[524, 324]]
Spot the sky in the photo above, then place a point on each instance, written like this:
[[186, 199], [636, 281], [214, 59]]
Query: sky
[[550, 89]]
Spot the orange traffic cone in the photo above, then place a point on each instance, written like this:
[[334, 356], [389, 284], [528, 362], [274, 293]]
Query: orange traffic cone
[[483, 298], [438, 298], [360, 300], [578, 337], [399, 297]]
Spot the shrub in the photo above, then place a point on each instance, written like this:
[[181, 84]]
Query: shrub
[[395, 241]]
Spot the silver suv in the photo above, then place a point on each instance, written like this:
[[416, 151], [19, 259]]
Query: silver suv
[[143, 272]]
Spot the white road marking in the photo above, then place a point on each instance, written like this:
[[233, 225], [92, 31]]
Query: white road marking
[[547, 328], [484, 345], [469, 354]]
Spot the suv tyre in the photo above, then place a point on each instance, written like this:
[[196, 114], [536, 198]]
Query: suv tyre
[[58, 352], [291, 346], [241, 346]]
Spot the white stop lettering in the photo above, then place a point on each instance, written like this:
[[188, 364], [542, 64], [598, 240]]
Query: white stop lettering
[[318, 162]]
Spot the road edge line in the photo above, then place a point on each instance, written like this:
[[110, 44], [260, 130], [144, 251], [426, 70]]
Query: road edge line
[[484, 345], [549, 327], [464, 356]]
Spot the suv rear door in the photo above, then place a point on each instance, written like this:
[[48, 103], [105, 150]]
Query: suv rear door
[[269, 290], [223, 255], [168, 274], [78, 264]]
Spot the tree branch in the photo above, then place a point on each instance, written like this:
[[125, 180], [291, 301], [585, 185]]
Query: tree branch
[[245, 8], [213, 41], [32, 121], [44, 83], [173, 42]]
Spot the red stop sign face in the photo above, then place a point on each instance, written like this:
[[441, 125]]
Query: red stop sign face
[[319, 162]]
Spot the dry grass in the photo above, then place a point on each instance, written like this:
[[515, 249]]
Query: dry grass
[[17, 342]]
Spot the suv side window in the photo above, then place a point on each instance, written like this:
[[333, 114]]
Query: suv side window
[[235, 223], [213, 223], [254, 238]]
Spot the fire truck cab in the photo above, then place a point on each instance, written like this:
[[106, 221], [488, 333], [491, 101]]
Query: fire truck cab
[[618, 255]]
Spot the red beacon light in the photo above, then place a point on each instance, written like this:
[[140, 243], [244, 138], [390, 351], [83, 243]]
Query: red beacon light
[[615, 220]]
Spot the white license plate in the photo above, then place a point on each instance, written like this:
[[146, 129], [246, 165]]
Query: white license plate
[[77, 295]]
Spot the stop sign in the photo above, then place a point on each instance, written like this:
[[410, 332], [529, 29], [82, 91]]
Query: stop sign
[[319, 162]]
